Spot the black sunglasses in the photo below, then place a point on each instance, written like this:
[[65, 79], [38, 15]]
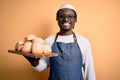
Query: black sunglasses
[[69, 16]]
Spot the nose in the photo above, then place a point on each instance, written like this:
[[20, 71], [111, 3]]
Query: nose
[[66, 19]]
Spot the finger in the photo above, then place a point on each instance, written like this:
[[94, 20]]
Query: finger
[[50, 54]]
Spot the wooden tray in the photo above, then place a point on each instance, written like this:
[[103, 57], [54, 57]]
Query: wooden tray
[[33, 55]]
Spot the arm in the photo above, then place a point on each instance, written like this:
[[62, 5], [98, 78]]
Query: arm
[[41, 63], [33, 61], [88, 64]]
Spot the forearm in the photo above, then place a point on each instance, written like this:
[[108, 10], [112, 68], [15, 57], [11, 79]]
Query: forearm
[[89, 64], [43, 64], [37, 63]]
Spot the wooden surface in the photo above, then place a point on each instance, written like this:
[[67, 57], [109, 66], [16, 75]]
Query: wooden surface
[[33, 55]]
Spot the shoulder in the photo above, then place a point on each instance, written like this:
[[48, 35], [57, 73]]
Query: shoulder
[[82, 41], [81, 38]]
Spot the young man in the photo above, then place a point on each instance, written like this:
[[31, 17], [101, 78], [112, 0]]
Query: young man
[[74, 51]]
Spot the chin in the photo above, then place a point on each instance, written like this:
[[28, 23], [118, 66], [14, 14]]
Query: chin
[[65, 29]]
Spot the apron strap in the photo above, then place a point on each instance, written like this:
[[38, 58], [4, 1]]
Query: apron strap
[[74, 37], [56, 37]]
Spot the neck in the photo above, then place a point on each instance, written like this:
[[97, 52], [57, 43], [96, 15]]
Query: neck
[[65, 33]]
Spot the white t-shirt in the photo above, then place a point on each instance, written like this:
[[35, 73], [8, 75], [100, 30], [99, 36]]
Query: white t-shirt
[[88, 66]]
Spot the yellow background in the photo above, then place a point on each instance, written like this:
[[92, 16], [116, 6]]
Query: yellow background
[[98, 20]]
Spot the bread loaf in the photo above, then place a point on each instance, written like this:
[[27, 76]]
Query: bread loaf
[[30, 37], [27, 46], [37, 48], [19, 45], [38, 40], [47, 49]]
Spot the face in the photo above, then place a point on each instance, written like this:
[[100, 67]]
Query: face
[[66, 19]]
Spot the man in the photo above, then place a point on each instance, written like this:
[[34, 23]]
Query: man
[[74, 51]]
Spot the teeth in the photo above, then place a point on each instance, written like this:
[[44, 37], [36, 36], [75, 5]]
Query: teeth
[[66, 24]]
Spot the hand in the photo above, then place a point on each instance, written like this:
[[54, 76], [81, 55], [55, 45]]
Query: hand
[[34, 61], [49, 54]]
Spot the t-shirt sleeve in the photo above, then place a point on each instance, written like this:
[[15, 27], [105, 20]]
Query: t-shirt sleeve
[[43, 64], [88, 65]]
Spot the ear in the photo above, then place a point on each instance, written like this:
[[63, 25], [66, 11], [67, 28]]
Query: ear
[[57, 18], [75, 20]]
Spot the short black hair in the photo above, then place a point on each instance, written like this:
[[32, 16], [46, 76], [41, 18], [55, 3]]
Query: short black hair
[[57, 14]]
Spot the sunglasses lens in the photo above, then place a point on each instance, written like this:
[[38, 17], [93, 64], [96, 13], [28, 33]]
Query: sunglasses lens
[[69, 16]]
